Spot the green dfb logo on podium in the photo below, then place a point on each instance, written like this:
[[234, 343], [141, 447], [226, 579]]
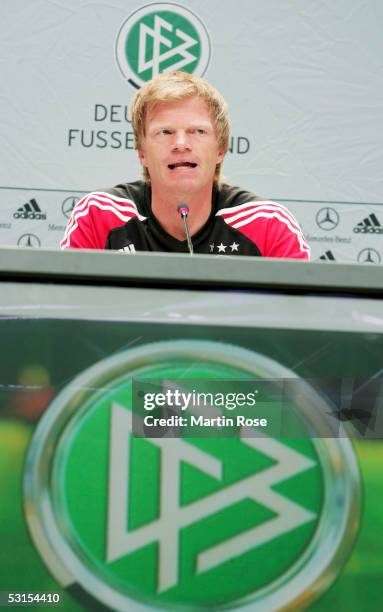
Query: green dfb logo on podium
[[177, 523]]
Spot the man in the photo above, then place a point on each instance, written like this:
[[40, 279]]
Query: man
[[181, 128]]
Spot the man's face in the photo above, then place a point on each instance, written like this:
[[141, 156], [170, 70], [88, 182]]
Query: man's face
[[180, 147]]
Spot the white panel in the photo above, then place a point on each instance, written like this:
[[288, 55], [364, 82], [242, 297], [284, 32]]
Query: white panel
[[303, 81]]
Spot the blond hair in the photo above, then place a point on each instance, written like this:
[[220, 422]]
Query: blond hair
[[178, 85]]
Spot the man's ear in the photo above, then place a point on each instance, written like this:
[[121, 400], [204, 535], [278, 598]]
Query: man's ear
[[141, 157], [221, 155]]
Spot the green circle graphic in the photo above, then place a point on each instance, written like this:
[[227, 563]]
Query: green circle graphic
[[81, 477], [72, 501], [161, 48]]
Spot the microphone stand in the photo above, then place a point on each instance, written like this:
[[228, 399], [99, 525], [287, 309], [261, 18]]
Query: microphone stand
[[183, 211]]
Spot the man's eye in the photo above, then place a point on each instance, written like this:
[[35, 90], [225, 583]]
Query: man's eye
[[200, 131], [165, 132]]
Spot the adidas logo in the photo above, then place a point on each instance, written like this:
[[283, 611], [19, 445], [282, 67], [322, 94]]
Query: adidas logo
[[327, 256], [30, 210], [128, 249], [369, 225]]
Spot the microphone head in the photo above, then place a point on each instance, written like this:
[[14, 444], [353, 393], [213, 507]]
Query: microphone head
[[183, 209]]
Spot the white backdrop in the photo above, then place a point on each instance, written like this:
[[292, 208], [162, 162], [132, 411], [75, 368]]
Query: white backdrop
[[304, 83]]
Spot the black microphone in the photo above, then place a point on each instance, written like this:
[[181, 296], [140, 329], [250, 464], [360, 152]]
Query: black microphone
[[183, 211]]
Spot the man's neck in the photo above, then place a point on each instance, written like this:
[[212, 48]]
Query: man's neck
[[165, 210]]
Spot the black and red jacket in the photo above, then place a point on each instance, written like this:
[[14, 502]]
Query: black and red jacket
[[240, 223]]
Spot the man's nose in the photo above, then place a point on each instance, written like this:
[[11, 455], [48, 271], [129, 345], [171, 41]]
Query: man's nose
[[181, 140]]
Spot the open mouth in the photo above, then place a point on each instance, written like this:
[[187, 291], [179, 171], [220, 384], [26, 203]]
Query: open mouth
[[182, 165]]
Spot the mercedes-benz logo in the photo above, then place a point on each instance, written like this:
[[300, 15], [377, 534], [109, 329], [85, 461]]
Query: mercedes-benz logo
[[327, 218], [68, 205], [29, 240], [369, 256]]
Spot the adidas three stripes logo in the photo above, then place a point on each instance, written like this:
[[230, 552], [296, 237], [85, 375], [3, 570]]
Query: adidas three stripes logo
[[327, 256], [30, 210], [369, 225]]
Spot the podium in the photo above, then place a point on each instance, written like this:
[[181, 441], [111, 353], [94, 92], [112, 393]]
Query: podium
[[124, 519]]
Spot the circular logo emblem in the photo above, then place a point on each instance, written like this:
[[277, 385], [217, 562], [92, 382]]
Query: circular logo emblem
[[136, 523], [369, 256], [158, 38], [327, 218], [29, 240], [68, 205]]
